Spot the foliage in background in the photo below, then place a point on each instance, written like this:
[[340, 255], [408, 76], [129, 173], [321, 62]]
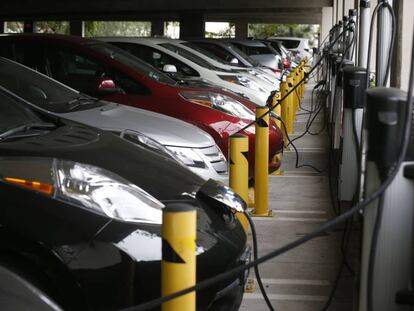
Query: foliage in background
[[14, 27], [52, 27], [117, 28], [263, 31], [228, 32]]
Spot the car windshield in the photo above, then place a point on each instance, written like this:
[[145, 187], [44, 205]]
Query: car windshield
[[40, 90], [14, 113], [244, 55], [290, 44], [203, 51], [133, 62], [188, 55]]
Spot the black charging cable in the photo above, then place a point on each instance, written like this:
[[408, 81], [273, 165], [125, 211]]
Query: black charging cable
[[256, 267]]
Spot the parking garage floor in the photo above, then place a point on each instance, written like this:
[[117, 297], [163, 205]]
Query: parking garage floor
[[301, 280]]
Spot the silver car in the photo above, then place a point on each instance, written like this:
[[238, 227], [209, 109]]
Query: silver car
[[180, 140], [259, 51]]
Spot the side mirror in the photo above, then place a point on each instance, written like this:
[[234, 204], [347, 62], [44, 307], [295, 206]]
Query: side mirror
[[107, 86], [234, 60], [169, 68]]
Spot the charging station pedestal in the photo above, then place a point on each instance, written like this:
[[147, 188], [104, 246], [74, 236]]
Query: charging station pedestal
[[383, 132], [354, 87]]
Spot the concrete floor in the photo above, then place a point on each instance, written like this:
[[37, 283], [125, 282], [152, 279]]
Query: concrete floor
[[301, 279]]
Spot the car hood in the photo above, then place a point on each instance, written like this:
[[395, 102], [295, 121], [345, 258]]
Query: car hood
[[160, 176], [166, 130]]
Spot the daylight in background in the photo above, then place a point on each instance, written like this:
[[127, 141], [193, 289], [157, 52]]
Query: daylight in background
[[262, 31], [220, 30], [172, 29]]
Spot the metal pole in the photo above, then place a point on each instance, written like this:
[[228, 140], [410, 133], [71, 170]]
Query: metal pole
[[364, 21], [384, 33]]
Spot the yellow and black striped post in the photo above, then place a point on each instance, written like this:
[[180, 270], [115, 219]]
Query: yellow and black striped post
[[284, 89], [291, 102], [278, 108], [178, 265], [261, 170], [239, 171]]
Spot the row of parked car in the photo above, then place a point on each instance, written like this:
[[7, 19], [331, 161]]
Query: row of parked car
[[98, 136]]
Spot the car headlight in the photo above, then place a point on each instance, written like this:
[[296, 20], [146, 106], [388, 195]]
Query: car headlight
[[243, 81], [188, 156], [87, 186], [220, 102]]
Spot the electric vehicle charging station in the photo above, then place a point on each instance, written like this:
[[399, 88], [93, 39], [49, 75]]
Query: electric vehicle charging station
[[354, 86], [388, 222]]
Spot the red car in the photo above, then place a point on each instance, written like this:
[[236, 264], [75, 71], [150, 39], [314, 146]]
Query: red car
[[107, 72]]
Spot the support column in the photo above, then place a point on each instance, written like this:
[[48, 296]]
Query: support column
[[326, 23], [242, 29], [192, 25], [28, 26], [157, 27], [348, 5], [407, 40], [2, 27], [396, 59], [77, 28]]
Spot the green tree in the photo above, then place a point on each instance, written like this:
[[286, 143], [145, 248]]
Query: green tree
[[14, 27], [262, 31], [60, 27], [117, 28]]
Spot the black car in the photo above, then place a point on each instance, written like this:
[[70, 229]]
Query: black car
[[81, 214]]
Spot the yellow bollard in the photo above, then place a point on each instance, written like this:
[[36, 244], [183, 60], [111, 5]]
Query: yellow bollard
[[277, 109], [298, 94], [261, 170], [291, 102], [239, 171], [284, 89], [178, 265]]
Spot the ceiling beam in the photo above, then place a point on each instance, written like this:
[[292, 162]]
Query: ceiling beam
[[128, 9]]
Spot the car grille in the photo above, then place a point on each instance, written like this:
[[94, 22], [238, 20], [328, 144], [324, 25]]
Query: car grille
[[216, 158]]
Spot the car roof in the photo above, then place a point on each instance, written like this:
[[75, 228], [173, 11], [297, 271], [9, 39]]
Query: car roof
[[246, 42], [153, 40], [58, 37], [287, 38]]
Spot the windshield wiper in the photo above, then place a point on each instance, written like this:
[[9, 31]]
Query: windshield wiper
[[25, 128]]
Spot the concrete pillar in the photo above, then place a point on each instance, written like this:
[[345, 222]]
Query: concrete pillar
[[157, 27], [242, 29], [28, 26], [348, 5], [407, 41], [339, 10], [192, 25], [396, 60], [326, 23], [2, 27], [77, 28]]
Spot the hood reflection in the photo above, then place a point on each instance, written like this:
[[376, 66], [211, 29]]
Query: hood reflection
[[145, 246]]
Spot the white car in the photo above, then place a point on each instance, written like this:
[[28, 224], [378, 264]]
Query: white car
[[299, 46], [170, 56]]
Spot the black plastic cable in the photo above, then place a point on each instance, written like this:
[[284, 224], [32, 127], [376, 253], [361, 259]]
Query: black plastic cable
[[271, 108], [256, 267], [329, 225], [296, 151], [373, 252]]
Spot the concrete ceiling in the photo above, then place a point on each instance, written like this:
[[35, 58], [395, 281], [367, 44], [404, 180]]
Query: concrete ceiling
[[283, 11]]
